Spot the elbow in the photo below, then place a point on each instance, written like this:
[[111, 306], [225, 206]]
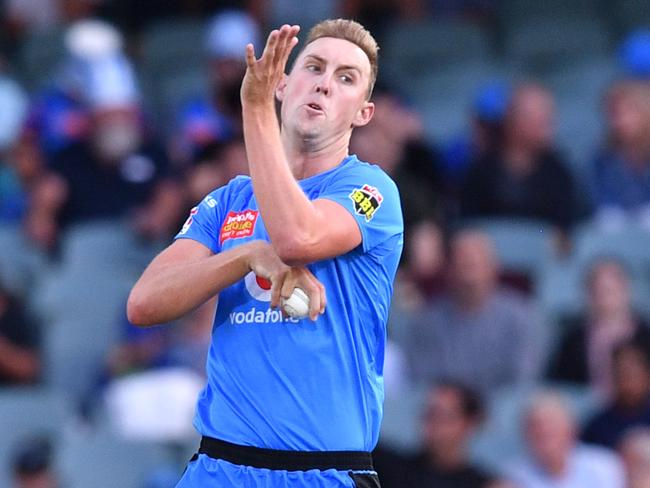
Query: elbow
[[293, 250], [139, 310]]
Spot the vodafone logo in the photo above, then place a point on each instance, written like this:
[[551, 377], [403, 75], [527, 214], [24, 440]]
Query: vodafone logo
[[259, 288]]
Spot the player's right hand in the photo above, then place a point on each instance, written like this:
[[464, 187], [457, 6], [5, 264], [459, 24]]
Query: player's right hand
[[265, 263]]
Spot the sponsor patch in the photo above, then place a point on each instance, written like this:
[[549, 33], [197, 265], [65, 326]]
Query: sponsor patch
[[367, 200], [238, 224], [188, 222]]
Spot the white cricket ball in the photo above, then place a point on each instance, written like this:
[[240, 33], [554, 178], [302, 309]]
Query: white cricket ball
[[297, 305]]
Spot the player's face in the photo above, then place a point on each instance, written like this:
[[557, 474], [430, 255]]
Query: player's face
[[325, 93]]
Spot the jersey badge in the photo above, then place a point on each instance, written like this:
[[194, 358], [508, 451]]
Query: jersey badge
[[367, 201]]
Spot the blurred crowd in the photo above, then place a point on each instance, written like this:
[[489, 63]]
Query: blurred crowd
[[88, 142]]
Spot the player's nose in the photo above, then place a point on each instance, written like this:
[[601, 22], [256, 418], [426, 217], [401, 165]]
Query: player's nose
[[323, 84]]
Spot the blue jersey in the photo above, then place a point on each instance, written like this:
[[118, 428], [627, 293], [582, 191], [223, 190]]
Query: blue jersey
[[296, 384]]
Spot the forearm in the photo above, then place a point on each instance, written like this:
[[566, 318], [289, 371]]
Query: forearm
[[286, 210], [166, 291]]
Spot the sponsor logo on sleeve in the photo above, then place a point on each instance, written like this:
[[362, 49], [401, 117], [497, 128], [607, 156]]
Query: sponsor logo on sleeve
[[238, 225], [367, 201], [188, 222]]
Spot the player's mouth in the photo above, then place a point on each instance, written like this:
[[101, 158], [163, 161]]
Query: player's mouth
[[314, 108]]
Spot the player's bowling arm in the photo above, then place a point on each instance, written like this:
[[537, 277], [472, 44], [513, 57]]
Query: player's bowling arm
[[331, 231], [182, 277], [301, 231]]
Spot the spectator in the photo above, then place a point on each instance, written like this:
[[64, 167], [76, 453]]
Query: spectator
[[621, 172], [477, 332], [420, 278], [485, 134], [396, 139], [584, 355], [32, 465], [630, 405], [117, 171], [20, 361], [555, 458], [452, 414], [216, 116], [524, 177], [635, 452]]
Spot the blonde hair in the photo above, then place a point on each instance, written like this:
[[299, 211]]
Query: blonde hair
[[353, 32]]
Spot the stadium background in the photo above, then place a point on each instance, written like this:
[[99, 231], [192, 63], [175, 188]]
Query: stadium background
[[444, 66]]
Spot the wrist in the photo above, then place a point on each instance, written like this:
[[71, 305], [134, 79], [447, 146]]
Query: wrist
[[258, 108]]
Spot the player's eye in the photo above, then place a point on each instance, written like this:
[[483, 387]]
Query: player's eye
[[347, 79], [313, 67]]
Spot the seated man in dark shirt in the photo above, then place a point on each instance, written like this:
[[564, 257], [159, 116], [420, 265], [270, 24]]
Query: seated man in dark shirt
[[630, 406], [451, 416], [524, 177]]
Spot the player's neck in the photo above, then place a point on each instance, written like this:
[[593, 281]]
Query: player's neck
[[308, 158]]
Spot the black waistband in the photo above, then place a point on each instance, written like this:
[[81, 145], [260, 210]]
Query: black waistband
[[257, 457]]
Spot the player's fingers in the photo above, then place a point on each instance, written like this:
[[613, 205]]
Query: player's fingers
[[292, 41], [250, 55], [313, 289], [323, 298], [271, 43], [283, 38], [288, 286], [276, 290]]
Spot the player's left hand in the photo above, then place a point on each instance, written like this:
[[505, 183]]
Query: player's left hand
[[264, 74]]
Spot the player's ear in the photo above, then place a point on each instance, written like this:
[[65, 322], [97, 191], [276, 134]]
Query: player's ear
[[364, 114], [282, 86]]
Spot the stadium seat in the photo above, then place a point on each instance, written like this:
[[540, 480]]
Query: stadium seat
[[500, 438], [293, 12], [101, 460], [26, 413], [632, 14], [443, 96], [522, 245], [168, 43], [20, 263], [402, 415], [539, 45], [413, 50], [561, 290], [513, 11], [40, 54]]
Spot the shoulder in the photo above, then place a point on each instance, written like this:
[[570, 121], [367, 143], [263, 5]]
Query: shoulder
[[357, 167], [222, 196]]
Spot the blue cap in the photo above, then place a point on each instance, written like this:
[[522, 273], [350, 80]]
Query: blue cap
[[492, 100], [634, 54]]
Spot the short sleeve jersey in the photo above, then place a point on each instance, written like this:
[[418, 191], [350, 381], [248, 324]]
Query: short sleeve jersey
[[296, 384]]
